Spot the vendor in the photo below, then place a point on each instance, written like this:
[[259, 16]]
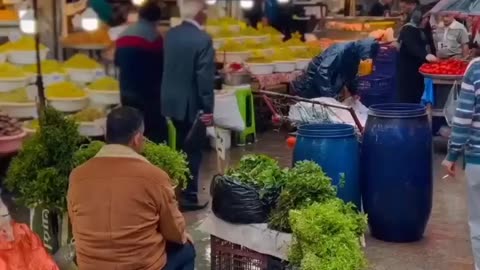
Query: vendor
[[334, 69], [451, 38], [381, 8]]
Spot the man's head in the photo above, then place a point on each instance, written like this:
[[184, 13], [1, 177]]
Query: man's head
[[195, 10], [150, 11], [447, 19], [387, 2], [125, 126], [407, 6]]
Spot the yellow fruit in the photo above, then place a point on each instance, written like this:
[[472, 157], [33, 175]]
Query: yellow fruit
[[25, 43], [88, 115], [105, 84], [34, 124], [64, 90], [282, 55], [249, 31], [81, 61], [15, 96], [48, 67], [9, 71], [232, 46], [259, 60]]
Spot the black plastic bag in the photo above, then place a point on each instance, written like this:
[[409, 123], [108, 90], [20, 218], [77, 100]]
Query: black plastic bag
[[236, 202]]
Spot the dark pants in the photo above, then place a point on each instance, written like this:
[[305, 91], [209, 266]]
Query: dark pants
[[193, 150], [180, 257]]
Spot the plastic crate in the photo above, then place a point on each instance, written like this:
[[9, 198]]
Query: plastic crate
[[229, 256]]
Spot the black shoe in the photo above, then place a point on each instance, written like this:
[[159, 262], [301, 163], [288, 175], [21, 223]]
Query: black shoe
[[192, 205]]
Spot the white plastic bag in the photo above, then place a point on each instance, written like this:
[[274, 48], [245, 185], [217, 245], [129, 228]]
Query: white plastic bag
[[451, 104], [226, 113]]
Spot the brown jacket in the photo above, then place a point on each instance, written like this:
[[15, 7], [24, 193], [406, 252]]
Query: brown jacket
[[123, 210]]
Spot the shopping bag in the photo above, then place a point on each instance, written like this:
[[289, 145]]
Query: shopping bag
[[451, 104]]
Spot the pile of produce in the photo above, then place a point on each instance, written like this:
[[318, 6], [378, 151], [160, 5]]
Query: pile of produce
[[295, 40], [232, 46], [326, 236], [446, 67], [174, 163], [64, 90], [305, 183], [99, 37], [308, 53], [223, 22], [250, 31], [259, 60], [9, 126], [81, 61], [262, 173], [9, 71], [15, 96], [282, 55], [88, 115], [25, 43], [8, 15], [39, 173], [268, 30], [47, 66], [105, 84]]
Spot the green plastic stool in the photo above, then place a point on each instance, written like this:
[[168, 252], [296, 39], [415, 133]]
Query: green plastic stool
[[247, 110], [172, 134]]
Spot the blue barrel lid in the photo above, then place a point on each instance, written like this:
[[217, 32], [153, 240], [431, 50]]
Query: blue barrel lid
[[397, 110], [326, 130]]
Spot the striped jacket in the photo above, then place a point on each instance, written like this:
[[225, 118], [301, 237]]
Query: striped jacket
[[466, 121]]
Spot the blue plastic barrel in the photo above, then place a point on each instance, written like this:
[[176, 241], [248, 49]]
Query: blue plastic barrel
[[397, 171], [335, 148]]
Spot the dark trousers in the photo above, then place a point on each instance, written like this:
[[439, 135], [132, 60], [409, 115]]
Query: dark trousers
[[180, 257], [193, 150]]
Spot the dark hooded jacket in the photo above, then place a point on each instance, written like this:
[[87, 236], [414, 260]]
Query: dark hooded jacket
[[335, 68]]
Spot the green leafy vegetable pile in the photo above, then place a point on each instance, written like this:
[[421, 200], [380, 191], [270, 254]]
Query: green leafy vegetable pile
[[39, 173], [326, 237], [263, 173], [174, 163], [306, 183]]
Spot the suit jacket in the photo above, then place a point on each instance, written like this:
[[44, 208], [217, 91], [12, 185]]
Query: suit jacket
[[189, 70]]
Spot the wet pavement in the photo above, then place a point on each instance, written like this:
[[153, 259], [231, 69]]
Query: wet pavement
[[446, 244]]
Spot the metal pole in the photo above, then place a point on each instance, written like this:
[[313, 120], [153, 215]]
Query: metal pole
[[39, 82]]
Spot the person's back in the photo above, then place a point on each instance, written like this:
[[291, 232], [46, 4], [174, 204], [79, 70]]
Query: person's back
[[123, 209]]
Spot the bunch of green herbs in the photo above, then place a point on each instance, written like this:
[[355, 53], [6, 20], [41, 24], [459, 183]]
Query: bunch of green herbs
[[39, 173], [326, 236], [173, 162], [306, 183], [263, 173]]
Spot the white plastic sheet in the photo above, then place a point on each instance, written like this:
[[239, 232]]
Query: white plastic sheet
[[304, 112], [226, 113], [256, 237]]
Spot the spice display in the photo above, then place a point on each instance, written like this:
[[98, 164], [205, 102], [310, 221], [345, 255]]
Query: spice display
[[47, 66], [88, 115], [9, 71], [81, 61], [64, 90], [447, 67], [15, 96], [25, 43], [105, 84], [9, 126]]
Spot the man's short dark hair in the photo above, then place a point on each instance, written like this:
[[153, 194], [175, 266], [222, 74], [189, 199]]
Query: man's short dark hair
[[410, 1], [151, 11], [122, 124]]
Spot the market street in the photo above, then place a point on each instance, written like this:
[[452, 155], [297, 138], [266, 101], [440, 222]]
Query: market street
[[445, 246]]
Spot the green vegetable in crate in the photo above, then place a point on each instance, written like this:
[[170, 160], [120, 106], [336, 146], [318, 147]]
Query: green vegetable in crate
[[306, 183], [326, 236], [174, 163]]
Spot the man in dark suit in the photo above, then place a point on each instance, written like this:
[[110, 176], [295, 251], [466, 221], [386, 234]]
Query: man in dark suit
[[187, 89]]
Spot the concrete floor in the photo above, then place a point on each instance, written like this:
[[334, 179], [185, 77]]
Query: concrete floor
[[446, 244]]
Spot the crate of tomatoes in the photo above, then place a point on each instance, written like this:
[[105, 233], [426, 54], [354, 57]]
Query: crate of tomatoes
[[451, 67]]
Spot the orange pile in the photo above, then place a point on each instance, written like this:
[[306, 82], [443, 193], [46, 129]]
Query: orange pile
[[99, 37], [8, 15]]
